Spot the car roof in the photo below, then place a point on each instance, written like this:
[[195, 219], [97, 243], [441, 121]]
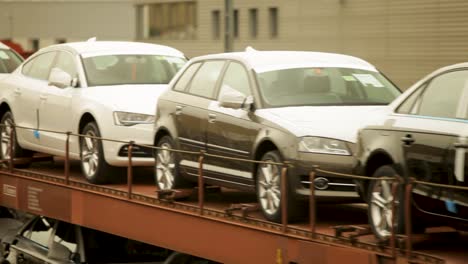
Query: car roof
[[262, 61], [94, 48]]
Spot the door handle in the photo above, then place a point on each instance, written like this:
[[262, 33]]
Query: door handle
[[178, 110], [17, 91], [408, 139], [43, 97], [211, 118]]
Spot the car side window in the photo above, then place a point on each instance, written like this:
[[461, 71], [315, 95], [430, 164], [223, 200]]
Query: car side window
[[236, 78], [39, 67], [442, 95], [204, 82], [40, 231], [407, 107], [9, 61], [66, 62], [186, 77]]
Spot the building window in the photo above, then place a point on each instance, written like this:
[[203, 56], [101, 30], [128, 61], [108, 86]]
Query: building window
[[235, 21], [253, 22], [216, 26], [167, 20], [34, 44], [273, 18]]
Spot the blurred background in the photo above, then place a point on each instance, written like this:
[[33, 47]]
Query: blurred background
[[405, 39]]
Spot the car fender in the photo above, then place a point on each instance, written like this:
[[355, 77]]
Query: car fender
[[286, 143], [372, 145]]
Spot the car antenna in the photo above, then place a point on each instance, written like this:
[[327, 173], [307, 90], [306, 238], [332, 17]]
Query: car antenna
[[91, 39]]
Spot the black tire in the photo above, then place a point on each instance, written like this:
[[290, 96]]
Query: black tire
[[375, 210], [269, 190], [5, 132], [166, 168], [93, 164]]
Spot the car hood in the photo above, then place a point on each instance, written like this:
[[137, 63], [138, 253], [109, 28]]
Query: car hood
[[128, 98], [338, 122]]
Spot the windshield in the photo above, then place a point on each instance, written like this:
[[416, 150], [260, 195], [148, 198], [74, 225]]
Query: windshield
[[131, 69], [325, 86], [9, 61]]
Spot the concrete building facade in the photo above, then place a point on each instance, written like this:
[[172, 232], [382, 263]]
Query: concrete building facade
[[406, 39], [37, 24]]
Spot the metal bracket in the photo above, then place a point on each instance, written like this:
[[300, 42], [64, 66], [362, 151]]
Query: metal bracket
[[244, 208], [355, 230], [172, 195]]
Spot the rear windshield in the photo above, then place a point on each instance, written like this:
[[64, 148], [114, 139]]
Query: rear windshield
[[325, 86], [9, 61], [131, 69]]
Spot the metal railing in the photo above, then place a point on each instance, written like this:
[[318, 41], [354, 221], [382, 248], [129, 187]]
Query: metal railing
[[396, 182]]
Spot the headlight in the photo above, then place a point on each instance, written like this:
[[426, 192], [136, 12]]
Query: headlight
[[323, 145], [130, 119]]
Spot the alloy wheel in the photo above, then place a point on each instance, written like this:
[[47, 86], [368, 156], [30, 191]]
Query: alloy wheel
[[269, 188], [90, 153], [165, 167], [380, 208], [5, 133]]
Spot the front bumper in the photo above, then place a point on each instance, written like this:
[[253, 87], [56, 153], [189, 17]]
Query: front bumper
[[327, 186], [116, 153]]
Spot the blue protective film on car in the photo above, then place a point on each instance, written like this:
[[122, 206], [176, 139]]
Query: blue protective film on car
[[36, 134], [451, 206]]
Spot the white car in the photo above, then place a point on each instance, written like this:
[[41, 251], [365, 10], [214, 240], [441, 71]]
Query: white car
[[9, 60], [96, 88]]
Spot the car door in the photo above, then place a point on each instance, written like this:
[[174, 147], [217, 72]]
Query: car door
[[231, 132], [191, 111], [55, 108], [28, 88], [432, 128]]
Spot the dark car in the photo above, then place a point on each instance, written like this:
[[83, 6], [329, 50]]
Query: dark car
[[271, 106], [46, 240], [424, 137]]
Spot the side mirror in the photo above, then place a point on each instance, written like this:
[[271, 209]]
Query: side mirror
[[58, 251], [60, 78], [231, 98]]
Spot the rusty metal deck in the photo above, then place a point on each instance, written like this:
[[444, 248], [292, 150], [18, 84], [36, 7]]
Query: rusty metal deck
[[210, 231]]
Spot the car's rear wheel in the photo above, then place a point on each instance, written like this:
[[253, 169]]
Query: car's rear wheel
[[167, 166], [268, 185], [93, 165], [6, 151]]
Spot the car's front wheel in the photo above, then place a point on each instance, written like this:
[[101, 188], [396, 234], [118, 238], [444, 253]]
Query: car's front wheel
[[268, 185], [93, 165], [167, 166], [380, 199], [9, 146]]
